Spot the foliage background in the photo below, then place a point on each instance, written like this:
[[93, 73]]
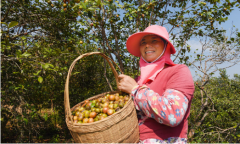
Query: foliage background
[[40, 39]]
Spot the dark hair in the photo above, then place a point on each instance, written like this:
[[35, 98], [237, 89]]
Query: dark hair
[[164, 41]]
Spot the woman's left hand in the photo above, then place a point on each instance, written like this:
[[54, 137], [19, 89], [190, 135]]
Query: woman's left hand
[[126, 83]]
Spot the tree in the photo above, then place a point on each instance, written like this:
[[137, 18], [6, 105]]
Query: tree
[[40, 39], [212, 54], [218, 121]]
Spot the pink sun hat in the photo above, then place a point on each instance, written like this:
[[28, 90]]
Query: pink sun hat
[[133, 42]]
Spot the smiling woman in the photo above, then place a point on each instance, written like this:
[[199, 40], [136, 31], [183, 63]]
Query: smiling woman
[[162, 94]]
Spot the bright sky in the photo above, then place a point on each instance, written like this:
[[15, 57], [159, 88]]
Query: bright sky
[[233, 19]]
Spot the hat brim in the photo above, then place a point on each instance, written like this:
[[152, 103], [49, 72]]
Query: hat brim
[[133, 43]]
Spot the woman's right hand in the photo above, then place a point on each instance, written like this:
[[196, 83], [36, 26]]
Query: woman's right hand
[[126, 83]]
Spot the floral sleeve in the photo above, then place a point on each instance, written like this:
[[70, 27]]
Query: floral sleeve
[[168, 109]]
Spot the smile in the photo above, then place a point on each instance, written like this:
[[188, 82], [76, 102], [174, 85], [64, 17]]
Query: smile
[[149, 52]]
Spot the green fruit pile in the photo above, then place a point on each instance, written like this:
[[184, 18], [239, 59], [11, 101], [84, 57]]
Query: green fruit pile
[[100, 108]]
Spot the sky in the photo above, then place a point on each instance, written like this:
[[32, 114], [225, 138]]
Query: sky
[[233, 19]]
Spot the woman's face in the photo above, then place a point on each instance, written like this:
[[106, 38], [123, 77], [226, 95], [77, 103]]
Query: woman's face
[[151, 47]]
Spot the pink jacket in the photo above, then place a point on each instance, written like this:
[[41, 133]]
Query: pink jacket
[[177, 78]]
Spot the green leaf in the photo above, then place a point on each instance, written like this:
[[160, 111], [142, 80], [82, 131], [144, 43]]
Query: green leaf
[[23, 37], [40, 79], [83, 5], [37, 73], [75, 73], [12, 24], [46, 65], [93, 105], [15, 72], [91, 9], [25, 120], [4, 23], [18, 53], [98, 2], [45, 116], [26, 54]]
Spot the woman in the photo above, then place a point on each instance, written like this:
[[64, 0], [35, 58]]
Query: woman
[[162, 94]]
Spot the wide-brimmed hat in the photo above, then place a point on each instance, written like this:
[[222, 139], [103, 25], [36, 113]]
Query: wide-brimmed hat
[[133, 42]]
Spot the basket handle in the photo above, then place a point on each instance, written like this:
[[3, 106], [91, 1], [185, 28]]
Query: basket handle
[[66, 91]]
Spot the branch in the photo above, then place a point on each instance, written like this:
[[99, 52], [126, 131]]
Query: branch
[[6, 14], [109, 84], [151, 16], [164, 13]]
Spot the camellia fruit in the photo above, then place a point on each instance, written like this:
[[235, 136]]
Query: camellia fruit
[[99, 100], [105, 115], [97, 104], [116, 102], [121, 100], [80, 117], [111, 102], [105, 105], [105, 109], [104, 100], [110, 111], [96, 119], [100, 108], [75, 117], [77, 113], [86, 114], [101, 117], [111, 97], [116, 97], [97, 110], [121, 104], [90, 120], [85, 120], [89, 104], [126, 98], [93, 109], [81, 108], [110, 106], [115, 105], [93, 114]]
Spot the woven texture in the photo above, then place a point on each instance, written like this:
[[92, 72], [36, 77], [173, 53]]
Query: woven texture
[[121, 127]]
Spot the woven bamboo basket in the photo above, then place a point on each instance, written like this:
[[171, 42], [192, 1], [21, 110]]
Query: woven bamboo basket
[[121, 127]]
